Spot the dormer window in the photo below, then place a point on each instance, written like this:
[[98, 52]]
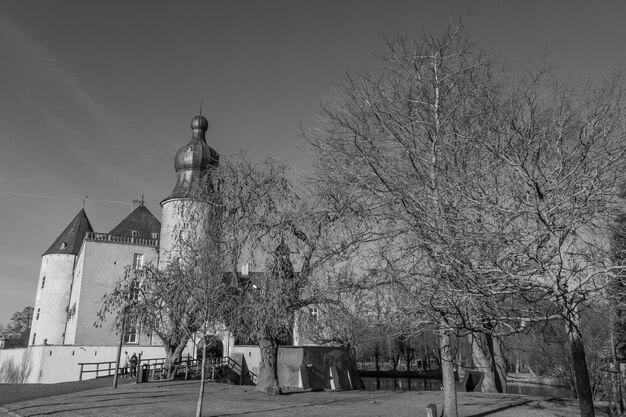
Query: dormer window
[[154, 235], [134, 233], [63, 245]]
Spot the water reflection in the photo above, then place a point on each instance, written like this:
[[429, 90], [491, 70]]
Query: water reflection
[[401, 384], [542, 390], [434, 384]]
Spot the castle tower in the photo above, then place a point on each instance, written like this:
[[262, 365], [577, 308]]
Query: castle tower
[[183, 216], [55, 282]]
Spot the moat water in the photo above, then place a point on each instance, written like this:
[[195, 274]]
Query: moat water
[[434, 384]]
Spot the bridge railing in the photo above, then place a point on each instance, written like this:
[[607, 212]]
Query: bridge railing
[[99, 368], [154, 369]]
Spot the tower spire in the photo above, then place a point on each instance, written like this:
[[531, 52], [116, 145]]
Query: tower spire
[[193, 160], [71, 239]]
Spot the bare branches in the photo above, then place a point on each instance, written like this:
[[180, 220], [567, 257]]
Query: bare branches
[[489, 199]]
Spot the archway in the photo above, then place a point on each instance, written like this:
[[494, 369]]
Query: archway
[[214, 348]]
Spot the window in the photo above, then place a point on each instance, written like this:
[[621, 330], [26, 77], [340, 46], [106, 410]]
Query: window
[[134, 233], [154, 235], [43, 282], [131, 335], [37, 318], [34, 337], [314, 313], [138, 261]]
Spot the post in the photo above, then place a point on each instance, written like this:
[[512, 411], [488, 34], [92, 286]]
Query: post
[[620, 392], [138, 369], [119, 351]]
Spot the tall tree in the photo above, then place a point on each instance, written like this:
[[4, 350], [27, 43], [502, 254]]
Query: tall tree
[[564, 162], [270, 222], [400, 145]]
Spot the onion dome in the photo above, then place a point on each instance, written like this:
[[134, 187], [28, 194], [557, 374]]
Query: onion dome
[[193, 160]]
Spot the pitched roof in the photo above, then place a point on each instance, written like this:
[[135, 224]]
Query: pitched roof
[[141, 221], [71, 239]]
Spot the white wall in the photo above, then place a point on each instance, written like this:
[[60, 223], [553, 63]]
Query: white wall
[[99, 267], [50, 311], [50, 364], [252, 355], [177, 234]]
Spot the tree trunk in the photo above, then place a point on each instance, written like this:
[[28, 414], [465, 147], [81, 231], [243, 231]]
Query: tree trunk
[[377, 358], [409, 359], [500, 364], [268, 368], [583, 384], [172, 352], [395, 360], [618, 373], [202, 379], [482, 361], [447, 372]]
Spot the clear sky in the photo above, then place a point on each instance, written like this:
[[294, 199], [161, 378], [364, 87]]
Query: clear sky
[[97, 96]]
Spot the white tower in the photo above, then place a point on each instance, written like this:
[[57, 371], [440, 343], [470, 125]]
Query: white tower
[[55, 283], [182, 219]]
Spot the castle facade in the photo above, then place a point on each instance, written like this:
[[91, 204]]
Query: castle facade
[[82, 265]]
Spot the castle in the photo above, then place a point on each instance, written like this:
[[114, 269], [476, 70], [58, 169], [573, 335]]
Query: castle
[[82, 265]]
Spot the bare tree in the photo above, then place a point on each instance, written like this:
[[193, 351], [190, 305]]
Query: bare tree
[[187, 294], [271, 222], [157, 302], [400, 144], [565, 159]]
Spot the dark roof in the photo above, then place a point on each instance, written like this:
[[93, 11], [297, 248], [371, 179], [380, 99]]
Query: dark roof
[[71, 239], [194, 160], [141, 221]]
